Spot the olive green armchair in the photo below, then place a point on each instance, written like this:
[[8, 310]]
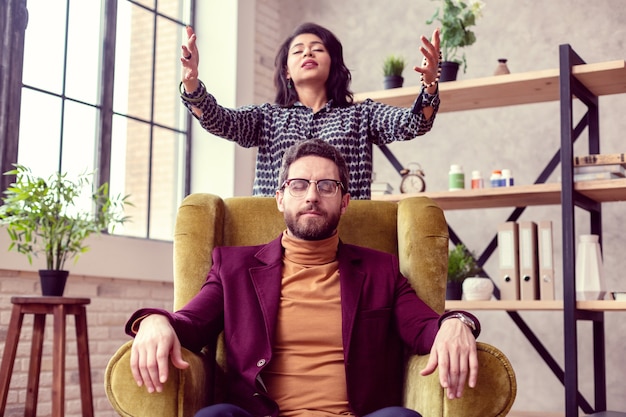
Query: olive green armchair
[[415, 229]]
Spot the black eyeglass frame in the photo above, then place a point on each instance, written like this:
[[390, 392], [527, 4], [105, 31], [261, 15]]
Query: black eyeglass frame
[[316, 182]]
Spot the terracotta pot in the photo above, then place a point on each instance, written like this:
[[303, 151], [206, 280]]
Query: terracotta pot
[[52, 282]]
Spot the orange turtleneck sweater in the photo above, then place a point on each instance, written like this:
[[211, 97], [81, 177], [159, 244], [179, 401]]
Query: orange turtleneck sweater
[[306, 376]]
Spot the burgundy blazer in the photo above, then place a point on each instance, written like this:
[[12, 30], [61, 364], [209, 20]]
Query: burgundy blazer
[[382, 320]]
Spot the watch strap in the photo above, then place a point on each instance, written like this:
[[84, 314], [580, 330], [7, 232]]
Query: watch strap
[[466, 318]]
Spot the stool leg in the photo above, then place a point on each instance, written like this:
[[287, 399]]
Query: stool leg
[[58, 362], [34, 367], [84, 368], [8, 358]]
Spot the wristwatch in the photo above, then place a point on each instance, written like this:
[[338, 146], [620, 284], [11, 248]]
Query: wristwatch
[[465, 319]]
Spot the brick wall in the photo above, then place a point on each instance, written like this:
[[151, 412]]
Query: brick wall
[[112, 302]]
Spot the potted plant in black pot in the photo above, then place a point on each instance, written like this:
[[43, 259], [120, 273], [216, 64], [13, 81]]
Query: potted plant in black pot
[[461, 264], [41, 216], [456, 17], [393, 66]]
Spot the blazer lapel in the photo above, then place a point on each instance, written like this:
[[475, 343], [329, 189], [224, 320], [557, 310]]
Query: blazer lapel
[[267, 278], [351, 283]]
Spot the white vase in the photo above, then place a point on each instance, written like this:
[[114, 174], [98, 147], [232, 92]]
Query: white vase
[[589, 269], [477, 288]]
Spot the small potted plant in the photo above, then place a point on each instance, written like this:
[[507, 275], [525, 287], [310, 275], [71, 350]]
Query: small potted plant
[[393, 66], [41, 216], [456, 18], [461, 264]]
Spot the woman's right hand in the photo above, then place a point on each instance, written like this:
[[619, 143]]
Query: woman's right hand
[[190, 60]]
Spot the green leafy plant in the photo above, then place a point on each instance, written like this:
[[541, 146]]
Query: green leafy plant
[[41, 216], [393, 65], [461, 264], [456, 18]]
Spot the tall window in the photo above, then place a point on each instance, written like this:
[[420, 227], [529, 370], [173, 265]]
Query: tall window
[[115, 111]]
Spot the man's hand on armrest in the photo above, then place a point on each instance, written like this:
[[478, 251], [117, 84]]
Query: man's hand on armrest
[[454, 352], [155, 343]]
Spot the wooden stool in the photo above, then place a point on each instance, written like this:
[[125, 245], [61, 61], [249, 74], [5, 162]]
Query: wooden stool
[[59, 307]]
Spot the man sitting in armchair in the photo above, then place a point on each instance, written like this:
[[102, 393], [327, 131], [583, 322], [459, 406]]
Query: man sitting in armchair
[[313, 326]]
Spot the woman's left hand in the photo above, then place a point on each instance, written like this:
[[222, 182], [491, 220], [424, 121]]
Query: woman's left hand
[[430, 65]]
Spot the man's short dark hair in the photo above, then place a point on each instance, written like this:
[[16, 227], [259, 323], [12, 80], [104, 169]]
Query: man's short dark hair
[[314, 147]]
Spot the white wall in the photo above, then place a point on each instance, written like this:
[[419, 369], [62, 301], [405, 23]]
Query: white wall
[[225, 33]]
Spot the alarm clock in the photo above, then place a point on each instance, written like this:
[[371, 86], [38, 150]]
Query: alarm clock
[[412, 179]]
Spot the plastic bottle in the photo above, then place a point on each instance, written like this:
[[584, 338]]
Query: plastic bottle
[[456, 178], [507, 176], [496, 178], [477, 180]]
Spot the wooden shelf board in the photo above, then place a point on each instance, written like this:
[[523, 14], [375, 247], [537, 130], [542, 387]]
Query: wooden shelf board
[[534, 305], [518, 196], [508, 305], [602, 305], [511, 89]]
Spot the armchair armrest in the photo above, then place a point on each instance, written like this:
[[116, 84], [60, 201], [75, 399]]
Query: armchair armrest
[[493, 395], [185, 392]]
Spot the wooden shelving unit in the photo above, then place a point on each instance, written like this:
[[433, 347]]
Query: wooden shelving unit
[[573, 79]]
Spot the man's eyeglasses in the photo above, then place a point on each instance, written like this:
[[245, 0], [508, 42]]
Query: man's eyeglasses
[[298, 187]]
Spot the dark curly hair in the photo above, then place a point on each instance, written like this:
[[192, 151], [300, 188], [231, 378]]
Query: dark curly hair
[[339, 77]]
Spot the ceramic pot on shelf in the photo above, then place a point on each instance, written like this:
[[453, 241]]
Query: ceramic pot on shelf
[[502, 68], [590, 284], [454, 290], [449, 71], [477, 289], [393, 81]]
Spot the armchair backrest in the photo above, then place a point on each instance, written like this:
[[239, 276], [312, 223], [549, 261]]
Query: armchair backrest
[[414, 229]]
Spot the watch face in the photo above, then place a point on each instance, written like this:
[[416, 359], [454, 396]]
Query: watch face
[[412, 183]]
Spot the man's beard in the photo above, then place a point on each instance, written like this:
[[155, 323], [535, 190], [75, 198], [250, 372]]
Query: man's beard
[[319, 228]]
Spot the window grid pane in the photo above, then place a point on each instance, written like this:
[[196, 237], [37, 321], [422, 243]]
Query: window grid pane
[[84, 51], [148, 132], [167, 72], [39, 146], [165, 186], [129, 175], [44, 45]]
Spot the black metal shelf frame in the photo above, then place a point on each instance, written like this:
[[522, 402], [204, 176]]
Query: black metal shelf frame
[[570, 87]]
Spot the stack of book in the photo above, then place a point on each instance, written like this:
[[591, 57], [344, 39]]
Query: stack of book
[[599, 167], [379, 188]]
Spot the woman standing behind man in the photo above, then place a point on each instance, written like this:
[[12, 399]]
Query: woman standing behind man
[[313, 100]]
